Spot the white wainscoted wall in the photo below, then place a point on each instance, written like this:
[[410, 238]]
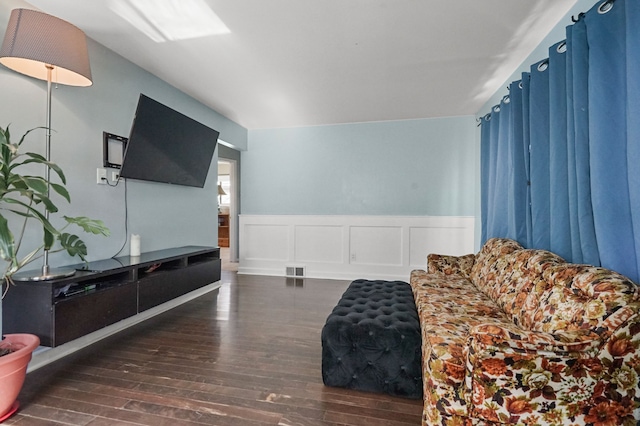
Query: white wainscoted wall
[[349, 247]]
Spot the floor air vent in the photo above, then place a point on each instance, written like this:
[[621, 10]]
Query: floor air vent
[[294, 271]]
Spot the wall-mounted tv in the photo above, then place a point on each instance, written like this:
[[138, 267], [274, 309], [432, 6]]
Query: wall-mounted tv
[[167, 146]]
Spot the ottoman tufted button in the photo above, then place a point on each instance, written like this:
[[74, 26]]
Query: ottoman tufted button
[[370, 333]]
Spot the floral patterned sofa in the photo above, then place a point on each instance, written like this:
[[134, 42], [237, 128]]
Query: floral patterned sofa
[[516, 336]]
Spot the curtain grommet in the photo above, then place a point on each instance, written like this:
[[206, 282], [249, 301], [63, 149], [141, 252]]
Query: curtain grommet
[[506, 99], [542, 66], [605, 7], [562, 47]]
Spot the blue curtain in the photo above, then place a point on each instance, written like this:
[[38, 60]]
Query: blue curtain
[[584, 244], [632, 27], [526, 143], [496, 151], [491, 152], [608, 95], [539, 134], [500, 150], [559, 220], [518, 168], [561, 154], [485, 137]]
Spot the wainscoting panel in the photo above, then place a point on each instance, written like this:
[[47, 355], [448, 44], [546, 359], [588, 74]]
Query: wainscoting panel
[[268, 242], [349, 247], [442, 240], [318, 243], [376, 245]]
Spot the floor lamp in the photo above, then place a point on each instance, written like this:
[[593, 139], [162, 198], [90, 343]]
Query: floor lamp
[[47, 48]]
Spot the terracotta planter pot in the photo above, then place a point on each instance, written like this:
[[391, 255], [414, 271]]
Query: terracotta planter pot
[[13, 368]]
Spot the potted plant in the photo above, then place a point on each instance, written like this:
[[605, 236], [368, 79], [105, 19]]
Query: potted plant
[[23, 199], [15, 354]]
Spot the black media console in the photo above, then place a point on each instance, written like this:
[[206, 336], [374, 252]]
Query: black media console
[[104, 292]]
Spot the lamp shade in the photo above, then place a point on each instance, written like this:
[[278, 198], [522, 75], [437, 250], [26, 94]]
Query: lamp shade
[[35, 39]]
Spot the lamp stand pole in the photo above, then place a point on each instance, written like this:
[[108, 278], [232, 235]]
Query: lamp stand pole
[[47, 171], [47, 273]]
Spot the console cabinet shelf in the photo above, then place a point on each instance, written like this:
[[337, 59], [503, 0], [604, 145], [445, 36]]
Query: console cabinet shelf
[[104, 292]]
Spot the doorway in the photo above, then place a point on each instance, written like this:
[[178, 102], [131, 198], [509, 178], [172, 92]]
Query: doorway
[[228, 214]]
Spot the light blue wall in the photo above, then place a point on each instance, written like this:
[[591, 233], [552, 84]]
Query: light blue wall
[[413, 167], [164, 215]]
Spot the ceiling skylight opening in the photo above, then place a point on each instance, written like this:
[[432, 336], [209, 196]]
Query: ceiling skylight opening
[[170, 20]]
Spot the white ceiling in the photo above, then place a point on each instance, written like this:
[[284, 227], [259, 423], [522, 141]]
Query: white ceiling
[[289, 63]]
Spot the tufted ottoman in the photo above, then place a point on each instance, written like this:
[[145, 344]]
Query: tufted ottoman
[[372, 340]]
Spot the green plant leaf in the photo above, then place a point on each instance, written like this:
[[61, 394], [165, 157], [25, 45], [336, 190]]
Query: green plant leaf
[[36, 189], [73, 245], [4, 135], [7, 241], [25, 134], [92, 226], [31, 212], [36, 184], [5, 152], [37, 199], [62, 191], [47, 202], [37, 158], [49, 239]]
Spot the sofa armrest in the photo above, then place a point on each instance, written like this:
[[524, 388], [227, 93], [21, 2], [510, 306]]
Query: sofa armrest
[[450, 265], [516, 376]]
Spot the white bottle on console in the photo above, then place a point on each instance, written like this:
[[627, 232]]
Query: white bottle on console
[[134, 251]]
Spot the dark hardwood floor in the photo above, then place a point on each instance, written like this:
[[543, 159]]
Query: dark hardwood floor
[[247, 354]]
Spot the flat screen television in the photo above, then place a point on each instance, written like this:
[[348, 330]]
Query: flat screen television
[[167, 146]]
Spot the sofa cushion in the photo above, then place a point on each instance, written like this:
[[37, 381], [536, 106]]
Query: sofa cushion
[[420, 278], [584, 297], [450, 265], [489, 262], [520, 283]]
